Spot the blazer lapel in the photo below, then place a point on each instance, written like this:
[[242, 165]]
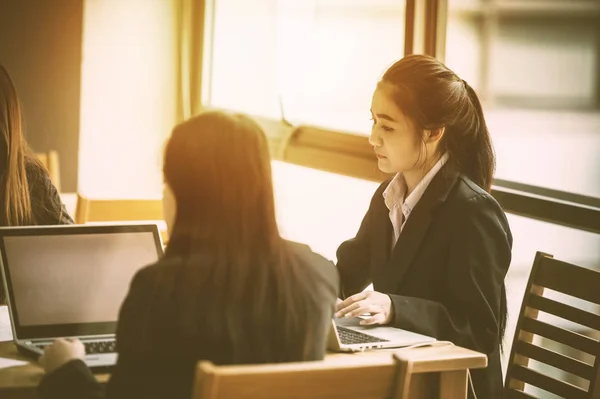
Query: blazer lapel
[[415, 229], [382, 240]]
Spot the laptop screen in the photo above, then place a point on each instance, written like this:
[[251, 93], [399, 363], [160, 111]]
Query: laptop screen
[[74, 281]]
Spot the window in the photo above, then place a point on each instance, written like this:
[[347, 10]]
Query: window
[[127, 106], [528, 54], [536, 66], [317, 61], [319, 208]]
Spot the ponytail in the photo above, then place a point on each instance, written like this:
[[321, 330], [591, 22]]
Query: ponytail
[[479, 160], [503, 317]]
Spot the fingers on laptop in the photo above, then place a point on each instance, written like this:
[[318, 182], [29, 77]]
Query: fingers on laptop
[[365, 308], [344, 306], [374, 303], [377, 318], [61, 351]]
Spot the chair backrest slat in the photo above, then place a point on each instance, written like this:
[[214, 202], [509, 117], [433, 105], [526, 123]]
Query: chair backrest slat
[[565, 311], [560, 335], [569, 279], [549, 384], [574, 331], [555, 359], [119, 210], [368, 380], [111, 210]]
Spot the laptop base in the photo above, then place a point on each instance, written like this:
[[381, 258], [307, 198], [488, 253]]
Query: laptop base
[[98, 363]]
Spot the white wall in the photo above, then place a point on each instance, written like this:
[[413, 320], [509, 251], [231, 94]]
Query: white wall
[[128, 94]]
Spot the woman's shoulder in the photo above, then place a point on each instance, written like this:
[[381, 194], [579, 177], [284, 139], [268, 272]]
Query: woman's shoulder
[[35, 171], [46, 203], [161, 269], [468, 194], [156, 279], [312, 263], [469, 201], [304, 253], [38, 179]]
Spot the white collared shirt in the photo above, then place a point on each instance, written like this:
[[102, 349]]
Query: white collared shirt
[[400, 207]]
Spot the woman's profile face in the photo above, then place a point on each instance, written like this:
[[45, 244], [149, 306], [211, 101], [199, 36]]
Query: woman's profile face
[[394, 137]]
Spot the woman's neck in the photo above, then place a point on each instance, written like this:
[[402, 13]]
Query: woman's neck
[[414, 176]]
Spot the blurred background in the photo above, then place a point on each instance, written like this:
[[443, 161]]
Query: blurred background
[[103, 82]]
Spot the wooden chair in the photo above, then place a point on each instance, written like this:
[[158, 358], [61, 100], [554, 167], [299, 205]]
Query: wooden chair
[[114, 210], [551, 274], [429, 372], [351, 379], [50, 161]]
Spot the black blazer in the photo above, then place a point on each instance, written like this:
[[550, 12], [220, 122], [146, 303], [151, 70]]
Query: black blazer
[[445, 274], [163, 331]]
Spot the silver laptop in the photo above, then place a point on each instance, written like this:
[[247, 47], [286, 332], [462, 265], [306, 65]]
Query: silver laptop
[[70, 281], [347, 335]]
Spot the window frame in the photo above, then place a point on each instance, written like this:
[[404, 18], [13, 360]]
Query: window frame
[[349, 154]]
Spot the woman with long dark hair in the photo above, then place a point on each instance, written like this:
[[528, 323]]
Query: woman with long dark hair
[[27, 195], [434, 243], [229, 289]]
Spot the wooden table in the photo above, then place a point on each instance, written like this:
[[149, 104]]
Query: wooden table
[[446, 370]]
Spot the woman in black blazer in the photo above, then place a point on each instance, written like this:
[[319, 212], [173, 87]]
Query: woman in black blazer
[[434, 243], [229, 289]]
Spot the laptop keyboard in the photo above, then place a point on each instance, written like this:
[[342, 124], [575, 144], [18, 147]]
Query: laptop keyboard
[[349, 337], [91, 348]]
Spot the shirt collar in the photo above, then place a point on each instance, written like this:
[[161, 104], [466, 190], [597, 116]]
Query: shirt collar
[[395, 191]]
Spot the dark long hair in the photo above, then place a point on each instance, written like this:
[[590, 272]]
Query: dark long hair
[[225, 232], [15, 201], [433, 96], [219, 170]]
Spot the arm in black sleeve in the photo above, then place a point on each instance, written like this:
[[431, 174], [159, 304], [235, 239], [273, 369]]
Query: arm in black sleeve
[[73, 380], [354, 255], [479, 258], [127, 378]]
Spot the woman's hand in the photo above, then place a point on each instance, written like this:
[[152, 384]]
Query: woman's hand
[[61, 352], [377, 304]]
